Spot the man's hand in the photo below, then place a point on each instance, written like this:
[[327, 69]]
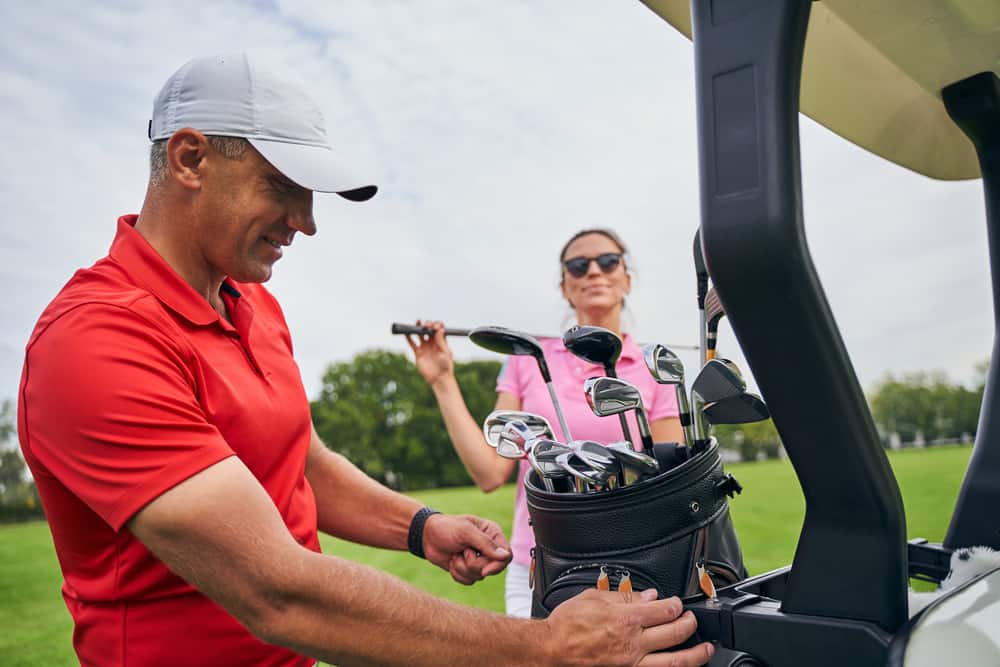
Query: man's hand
[[431, 354], [469, 547], [601, 628]]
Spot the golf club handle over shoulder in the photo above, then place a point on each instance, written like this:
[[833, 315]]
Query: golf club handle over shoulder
[[400, 328], [405, 329]]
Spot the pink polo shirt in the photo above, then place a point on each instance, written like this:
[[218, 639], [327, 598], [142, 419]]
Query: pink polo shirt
[[520, 376]]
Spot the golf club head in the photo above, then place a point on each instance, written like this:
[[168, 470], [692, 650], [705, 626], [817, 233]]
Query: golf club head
[[594, 453], [508, 341], [541, 458], [596, 345], [580, 469], [663, 364], [495, 421], [742, 409], [514, 436], [638, 462], [610, 396], [719, 379]]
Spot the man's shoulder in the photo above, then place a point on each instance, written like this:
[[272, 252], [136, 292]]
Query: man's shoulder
[[99, 292]]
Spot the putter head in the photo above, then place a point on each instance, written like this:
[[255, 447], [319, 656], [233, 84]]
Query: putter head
[[596, 345], [496, 420], [611, 396], [663, 364], [719, 379], [742, 409]]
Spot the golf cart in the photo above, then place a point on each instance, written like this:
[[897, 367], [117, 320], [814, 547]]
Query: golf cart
[[936, 111]]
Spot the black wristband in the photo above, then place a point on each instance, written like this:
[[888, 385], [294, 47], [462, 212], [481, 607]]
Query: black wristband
[[415, 540]]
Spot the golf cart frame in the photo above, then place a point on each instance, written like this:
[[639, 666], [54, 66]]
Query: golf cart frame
[[844, 597]]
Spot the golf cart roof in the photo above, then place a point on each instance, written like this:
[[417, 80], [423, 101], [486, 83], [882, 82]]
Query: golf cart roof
[[873, 73]]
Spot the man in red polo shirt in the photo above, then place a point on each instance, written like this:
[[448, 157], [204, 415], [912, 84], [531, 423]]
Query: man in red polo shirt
[[164, 420]]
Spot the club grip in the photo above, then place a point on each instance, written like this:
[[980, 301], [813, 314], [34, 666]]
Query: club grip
[[404, 329]]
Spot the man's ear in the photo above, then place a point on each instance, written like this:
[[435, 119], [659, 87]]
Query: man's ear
[[186, 152]]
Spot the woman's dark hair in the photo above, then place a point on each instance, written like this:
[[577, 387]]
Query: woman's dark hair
[[603, 231]]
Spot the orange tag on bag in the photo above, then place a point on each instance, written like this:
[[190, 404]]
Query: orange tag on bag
[[705, 582], [625, 586], [603, 584]]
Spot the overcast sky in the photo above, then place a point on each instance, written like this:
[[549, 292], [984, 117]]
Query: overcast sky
[[495, 130]]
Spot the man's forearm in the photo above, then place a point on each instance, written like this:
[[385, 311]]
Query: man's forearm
[[373, 618], [352, 506]]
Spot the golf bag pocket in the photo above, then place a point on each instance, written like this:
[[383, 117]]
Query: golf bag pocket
[[656, 532]]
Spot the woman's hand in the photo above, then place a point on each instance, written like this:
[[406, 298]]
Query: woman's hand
[[431, 353]]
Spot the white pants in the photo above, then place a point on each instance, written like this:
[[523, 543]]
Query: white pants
[[518, 595]]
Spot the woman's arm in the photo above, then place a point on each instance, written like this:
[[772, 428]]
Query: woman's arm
[[434, 361], [668, 429]]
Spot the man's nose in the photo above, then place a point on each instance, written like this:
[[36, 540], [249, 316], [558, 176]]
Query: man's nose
[[300, 217]]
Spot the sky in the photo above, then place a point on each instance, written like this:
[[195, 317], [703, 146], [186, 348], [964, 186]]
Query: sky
[[495, 131]]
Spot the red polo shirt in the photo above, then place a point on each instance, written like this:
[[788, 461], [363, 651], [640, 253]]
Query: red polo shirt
[[131, 384]]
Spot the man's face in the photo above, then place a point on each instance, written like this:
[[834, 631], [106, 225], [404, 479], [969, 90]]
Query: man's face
[[248, 212]]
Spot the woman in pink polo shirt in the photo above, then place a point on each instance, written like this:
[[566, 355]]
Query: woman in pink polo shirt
[[595, 282]]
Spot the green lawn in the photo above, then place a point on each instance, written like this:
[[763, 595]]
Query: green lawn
[[768, 517]]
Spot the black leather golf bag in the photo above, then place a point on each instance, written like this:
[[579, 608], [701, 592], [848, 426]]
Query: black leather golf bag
[[657, 531]]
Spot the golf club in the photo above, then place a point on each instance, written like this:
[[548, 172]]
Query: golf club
[[742, 409], [508, 341], [513, 439], [635, 465], [399, 328], [584, 474], [495, 421], [541, 455], [714, 312], [609, 396], [718, 379], [667, 368], [598, 457], [701, 274], [597, 345]]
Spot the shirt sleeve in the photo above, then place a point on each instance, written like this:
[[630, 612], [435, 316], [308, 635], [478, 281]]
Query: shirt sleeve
[[664, 403], [111, 410], [511, 377]]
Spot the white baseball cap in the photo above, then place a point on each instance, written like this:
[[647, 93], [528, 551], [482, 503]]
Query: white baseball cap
[[230, 96]]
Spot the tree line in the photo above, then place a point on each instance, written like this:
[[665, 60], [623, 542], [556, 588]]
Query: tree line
[[378, 412]]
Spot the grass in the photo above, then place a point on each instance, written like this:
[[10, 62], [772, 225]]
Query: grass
[[768, 516]]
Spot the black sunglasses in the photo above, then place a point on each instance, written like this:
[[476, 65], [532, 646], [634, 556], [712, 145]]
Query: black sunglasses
[[607, 262]]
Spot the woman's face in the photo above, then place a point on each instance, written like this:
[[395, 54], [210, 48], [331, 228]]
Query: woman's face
[[595, 291]]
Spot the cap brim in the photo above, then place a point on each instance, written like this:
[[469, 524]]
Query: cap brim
[[314, 168]]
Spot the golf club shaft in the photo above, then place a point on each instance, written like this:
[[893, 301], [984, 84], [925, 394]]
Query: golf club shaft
[[559, 412], [644, 432], [609, 370], [685, 415], [400, 328]]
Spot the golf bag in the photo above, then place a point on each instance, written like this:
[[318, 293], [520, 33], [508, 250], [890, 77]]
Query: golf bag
[[656, 531]]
